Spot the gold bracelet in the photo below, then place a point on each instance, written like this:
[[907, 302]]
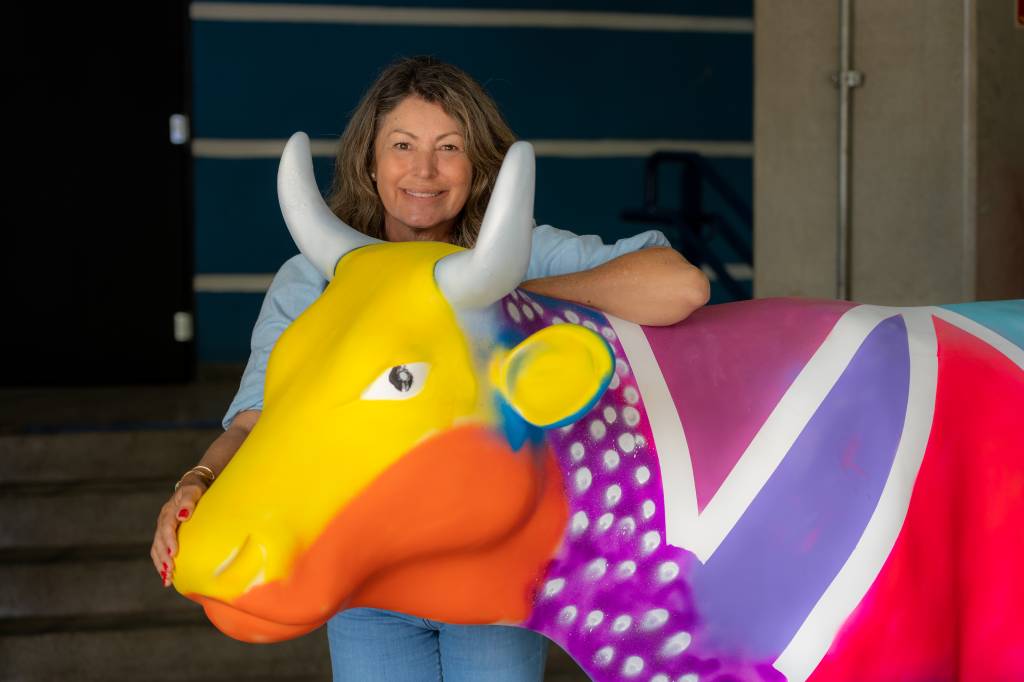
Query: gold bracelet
[[203, 473]]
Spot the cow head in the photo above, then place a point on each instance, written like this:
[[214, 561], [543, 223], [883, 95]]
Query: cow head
[[399, 460]]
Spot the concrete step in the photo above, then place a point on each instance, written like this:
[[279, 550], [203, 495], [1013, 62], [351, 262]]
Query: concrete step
[[116, 408], [80, 519], [54, 590], [74, 458], [191, 651]]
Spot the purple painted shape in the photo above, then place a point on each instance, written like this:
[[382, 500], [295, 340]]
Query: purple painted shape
[[763, 580], [722, 350], [619, 603]]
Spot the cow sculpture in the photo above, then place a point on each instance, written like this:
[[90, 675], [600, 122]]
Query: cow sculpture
[[772, 489]]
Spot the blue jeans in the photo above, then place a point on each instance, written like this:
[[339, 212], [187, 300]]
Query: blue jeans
[[372, 644]]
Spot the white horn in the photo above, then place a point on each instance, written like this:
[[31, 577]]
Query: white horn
[[497, 264], [320, 235]]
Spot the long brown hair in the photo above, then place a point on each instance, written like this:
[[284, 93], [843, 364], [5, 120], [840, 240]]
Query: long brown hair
[[353, 196]]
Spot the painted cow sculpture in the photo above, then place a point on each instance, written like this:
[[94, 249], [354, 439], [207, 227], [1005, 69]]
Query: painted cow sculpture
[[772, 489]]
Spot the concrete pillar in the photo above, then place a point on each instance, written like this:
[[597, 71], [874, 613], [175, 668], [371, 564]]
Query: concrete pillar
[[937, 212]]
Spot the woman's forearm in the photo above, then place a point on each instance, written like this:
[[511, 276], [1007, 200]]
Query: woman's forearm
[[655, 286], [224, 447]]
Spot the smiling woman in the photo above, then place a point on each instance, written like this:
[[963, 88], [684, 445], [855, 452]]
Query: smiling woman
[[418, 162], [422, 171]]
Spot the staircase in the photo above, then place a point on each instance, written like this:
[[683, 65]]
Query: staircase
[[83, 473]]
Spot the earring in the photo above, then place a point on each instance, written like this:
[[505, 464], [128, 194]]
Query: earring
[[373, 176]]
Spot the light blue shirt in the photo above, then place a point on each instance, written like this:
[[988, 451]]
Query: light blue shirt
[[298, 283]]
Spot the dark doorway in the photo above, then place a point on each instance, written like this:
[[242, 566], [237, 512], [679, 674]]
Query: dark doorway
[[97, 244]]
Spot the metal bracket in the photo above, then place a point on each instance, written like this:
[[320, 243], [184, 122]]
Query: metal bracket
[[848, 79]]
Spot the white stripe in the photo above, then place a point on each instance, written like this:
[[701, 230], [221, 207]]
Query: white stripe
[[219, 148], [1011, 350], [780, 430], [666, 429], [435, 16], [812, 641], [249, 283], [738, 271]]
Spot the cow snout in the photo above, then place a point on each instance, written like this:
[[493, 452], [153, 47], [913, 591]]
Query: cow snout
[[224, 560]]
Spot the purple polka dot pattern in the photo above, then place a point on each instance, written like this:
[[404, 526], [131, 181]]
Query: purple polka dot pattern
[[616, 596]]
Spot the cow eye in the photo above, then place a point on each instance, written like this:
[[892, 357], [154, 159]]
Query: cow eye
[[398, 383]]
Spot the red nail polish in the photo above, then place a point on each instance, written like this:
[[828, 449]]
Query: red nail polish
[[164, 564], [168, 551], [163, 575], [183, 514]]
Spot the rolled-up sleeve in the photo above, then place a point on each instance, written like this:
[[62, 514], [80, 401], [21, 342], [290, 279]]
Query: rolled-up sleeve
[[560, 252], [294, 288]]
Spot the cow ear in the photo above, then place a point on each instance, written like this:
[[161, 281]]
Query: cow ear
[[554, 376]]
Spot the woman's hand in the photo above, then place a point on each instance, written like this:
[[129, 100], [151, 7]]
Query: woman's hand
[[175, 511], [182, 505]]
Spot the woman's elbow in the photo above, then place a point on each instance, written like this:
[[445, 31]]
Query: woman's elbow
[[688, 291]]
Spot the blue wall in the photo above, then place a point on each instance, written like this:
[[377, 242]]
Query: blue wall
[[260, 80]]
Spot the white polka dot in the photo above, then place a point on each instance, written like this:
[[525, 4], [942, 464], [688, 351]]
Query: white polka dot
[[650, 542], [631, 396], [557, 320], [689, 677], [604, 656], [611, 460], [515, 294], [528, 312], [590, 325], [626, 569], [536, 306], [597, 429], [642, 475], [676, 644], [668, 571], [621, 367], [513, 311], [595, 569], [660, 677], [612, 495], [583, 479], [553, 587], [609, 415], [614, 383], [594, 619], [627, 526], [647, 509], [608, 333], [605, 522], [572, 317], [579, 522], [631, 415], [576, 451], [640, 441], [633, 666], [622, 623], [627, 443], [654, 619], [567, 615]]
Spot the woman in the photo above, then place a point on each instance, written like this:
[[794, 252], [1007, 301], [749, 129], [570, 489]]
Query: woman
[[417, 161]]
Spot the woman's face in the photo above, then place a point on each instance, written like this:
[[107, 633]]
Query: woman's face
[[422, 172]]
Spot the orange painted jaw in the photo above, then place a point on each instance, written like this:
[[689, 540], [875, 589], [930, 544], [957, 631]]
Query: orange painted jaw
[[460, 529]]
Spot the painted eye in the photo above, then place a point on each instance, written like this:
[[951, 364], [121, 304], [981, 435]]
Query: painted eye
[[400, 382]]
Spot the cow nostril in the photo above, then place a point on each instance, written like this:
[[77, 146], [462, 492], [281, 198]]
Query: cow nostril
[[231, 557]]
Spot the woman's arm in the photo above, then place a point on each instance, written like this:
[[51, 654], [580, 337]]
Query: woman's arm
[[183, 502], [654, 286]]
